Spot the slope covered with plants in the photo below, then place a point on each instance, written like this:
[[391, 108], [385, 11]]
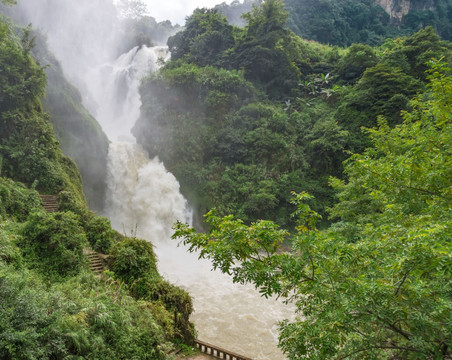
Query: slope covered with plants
[[374, 283], [78, 133], [80, 136], [345, 22], [52, 304], [243, 117]]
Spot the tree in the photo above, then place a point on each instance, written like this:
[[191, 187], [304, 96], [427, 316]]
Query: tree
[[339, 22], [207, 35], [132, 9], [264, 53], [376, 284], [359, 57]]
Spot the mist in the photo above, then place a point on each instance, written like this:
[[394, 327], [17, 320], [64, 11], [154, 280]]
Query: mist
[[177, 10], [80, 34]]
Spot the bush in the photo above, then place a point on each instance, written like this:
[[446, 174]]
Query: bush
[[99, 233], [174, 299], [9, 253], [27, 317], [102, 322], [133, 258], [80, 318], [53, 243], [16, 201]]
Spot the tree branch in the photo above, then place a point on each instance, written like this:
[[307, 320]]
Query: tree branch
[[402, 281]]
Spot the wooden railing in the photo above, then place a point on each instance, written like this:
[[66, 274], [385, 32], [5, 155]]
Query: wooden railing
[[218, 352]]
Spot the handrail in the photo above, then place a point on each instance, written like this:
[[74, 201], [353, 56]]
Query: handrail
[[218, 352]]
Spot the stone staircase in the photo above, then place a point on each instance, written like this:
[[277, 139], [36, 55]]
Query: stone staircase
[[50, 203], [96, 261]]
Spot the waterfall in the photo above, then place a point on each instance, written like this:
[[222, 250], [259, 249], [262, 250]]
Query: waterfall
[[144, 198], [114, 87]]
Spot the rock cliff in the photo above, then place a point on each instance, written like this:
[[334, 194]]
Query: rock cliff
[[397, 9]]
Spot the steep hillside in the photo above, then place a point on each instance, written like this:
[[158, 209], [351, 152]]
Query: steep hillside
[[52, 305], [268, 112], [397, 9], [78, 133], [28, 148], [80, 136], [343, 22]]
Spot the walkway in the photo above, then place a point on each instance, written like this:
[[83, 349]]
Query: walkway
[[49, 202], [196, 357]]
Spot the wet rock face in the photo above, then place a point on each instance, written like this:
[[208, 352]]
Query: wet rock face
[[397, 9]]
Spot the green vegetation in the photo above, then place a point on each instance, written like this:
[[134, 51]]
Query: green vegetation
[[52, 305], [140, 29], [265, 112], [377, 283], [79, 135], [340, 22], [234, 11], [346, 22], [273, 113], [243, 117], [53, 244], [29, 151]]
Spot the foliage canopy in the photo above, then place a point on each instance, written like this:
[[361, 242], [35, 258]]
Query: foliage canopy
[[377, 283]]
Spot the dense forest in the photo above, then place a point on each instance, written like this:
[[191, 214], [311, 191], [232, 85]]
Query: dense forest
[[315, 140], [243, 117], [344, 22]]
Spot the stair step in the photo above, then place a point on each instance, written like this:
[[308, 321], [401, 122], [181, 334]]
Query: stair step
[[49, 202], [96, 262]]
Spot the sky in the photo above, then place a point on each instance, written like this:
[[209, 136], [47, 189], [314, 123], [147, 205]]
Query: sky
[[177, 10]]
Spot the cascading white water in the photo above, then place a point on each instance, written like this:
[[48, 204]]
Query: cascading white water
[[115, 100], [142, 195]]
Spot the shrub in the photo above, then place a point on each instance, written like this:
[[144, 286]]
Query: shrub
[[99, 233], [27, 318], [53, 243], [175, 300], [133, 258], [16, 201]]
